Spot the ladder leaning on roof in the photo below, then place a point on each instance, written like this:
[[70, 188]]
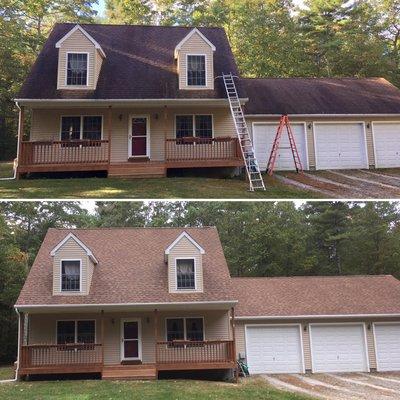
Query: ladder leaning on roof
[[252, 169]]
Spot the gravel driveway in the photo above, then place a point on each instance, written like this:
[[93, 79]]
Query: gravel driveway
[[350, 386], [351, 184]]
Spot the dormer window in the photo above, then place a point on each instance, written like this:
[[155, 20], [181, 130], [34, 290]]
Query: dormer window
[[70, 275], [196, 70], [185, 274], [77, 69]]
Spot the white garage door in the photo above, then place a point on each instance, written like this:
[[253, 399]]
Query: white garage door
[[274, 349], [387, 144], [338, 348], [387, 339], [340, 146], [263, 138]]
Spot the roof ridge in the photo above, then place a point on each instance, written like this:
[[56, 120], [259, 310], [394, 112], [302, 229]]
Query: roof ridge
[[141, 25], [315, 77], [133, 227], [312, 276]]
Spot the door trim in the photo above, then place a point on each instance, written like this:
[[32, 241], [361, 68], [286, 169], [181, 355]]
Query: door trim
[[147, 116], [139, 321], [374, 324]]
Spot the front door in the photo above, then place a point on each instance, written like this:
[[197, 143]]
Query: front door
[[138, 136], [131, 346]]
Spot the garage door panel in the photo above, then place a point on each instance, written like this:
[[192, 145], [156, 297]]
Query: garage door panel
[[387, 144], [387, 340]]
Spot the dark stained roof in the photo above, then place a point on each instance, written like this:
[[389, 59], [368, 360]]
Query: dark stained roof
[[131, 267], [317, 295], [321, 96], [140, 64]]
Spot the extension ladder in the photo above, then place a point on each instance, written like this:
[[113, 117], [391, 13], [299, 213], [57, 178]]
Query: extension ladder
[[246, 146], [284, 123]]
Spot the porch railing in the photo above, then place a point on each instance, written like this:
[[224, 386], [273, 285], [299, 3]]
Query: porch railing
[[210, 351], [64, 152], [38, 355], [185, 149]]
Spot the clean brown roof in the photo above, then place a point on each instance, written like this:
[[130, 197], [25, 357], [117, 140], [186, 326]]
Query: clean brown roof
[[317, 295], [279, 96], [139, 64], [131, 267]]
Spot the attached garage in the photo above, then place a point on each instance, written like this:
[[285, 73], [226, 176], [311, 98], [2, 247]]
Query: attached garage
[[387, 144], [274, 349], [338, 348], [340, 145], [263, 138], [387, 346]]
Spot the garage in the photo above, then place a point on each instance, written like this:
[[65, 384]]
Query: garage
[[274, 349], [387, 144], [338, 348], [387, 346], [263, 138], [340, 145]]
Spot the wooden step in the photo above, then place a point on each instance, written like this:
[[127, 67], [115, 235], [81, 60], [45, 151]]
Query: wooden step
[[129, 372], [137, 169]]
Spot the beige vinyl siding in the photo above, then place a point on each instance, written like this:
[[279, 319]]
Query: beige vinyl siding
[[71, 250], [97, 67], [185, 249], [77, 42], [197, 46]]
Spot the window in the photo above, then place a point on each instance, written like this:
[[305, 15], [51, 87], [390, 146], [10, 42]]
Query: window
[[70, 128], [92, 128], [76, 332], [81, 127], [203, 126], [185, 278], [77, 69], [196, 70], [185, 329], [184, 126], [199, 126], [70, 276]]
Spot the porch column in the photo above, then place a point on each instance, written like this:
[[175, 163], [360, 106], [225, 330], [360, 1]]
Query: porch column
[[234, 342], [102, 336], [156, 334], [109, 132], [21, 127], [21, 327], [165, 132]]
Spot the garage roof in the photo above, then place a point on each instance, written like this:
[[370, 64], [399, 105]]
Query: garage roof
[[276, 96], [317, 296]]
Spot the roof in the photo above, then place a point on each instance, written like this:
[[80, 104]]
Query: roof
[[140, 64], [279, 96], [317, 296], [131, 267]]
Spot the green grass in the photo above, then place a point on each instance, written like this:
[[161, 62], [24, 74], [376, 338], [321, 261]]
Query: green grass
[[254, 389], [6, 372], [6, 169], [155, 188]]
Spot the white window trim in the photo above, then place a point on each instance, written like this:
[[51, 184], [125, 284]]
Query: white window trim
[[194, 123], [195, 275], [87, 69], [81, 125], [184, 326], [148, 143], [80, 275], [205, 71], [76, 327], [139, 321]]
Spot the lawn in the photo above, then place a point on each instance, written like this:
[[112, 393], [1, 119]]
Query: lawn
[[6, 372], [135, 390], [155, 188]]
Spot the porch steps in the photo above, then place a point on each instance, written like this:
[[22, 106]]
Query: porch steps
[[145, 169], [129, 372]]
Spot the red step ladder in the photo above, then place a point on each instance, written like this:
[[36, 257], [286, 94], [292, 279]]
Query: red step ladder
[[284, 123]]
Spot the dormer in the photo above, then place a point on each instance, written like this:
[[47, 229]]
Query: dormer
[[80, 59], [195, 62], [184, 258], [73, 266]]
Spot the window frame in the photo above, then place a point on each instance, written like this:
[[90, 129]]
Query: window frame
[[80, 275], [195, 274], [205, 71], [184, 326], [76, 329], [194, 125], [81, 125], [66, 69]]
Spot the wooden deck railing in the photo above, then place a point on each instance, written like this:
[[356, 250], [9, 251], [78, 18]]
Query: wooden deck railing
[[64, 152], [210, 351], [186, 149], [38, 355]]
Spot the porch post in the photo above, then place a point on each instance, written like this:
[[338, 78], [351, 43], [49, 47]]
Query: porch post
[[21, 126], [165, 132], [102, 337], [109, 132], [21, 320], [156, 334], [234, 342]]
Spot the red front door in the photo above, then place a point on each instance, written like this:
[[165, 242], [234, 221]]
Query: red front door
[[139, 136]]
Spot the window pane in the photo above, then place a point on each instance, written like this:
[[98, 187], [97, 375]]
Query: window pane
[[86, 332], [196, 70], [131, 330], [194, 329], [70, 128], [185, 274], [204, 126], [175, 329], [184, 126], [70, 276], [77, 69], [92, 128], [65, 332]]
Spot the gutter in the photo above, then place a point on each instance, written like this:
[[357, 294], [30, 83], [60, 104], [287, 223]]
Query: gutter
[[268, 317], [319, 115]]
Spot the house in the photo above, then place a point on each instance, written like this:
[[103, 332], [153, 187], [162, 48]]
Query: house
[[136, 302], [141, 100]]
